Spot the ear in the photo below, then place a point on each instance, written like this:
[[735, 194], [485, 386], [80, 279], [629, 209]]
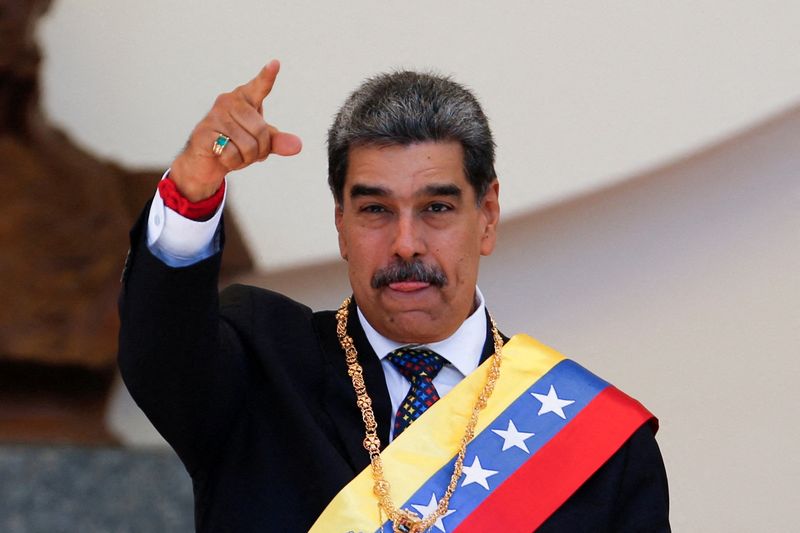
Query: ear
[[490, 216], [337, 218]]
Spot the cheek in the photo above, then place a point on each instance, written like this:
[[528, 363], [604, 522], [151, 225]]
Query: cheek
[[460, 259], [466, 263], [361, 264], [359, 280]]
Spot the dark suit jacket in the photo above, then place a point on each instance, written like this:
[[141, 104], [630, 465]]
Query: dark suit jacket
[[251, 390]]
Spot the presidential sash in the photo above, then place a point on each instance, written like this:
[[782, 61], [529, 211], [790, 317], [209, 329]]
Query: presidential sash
[[549, 425]]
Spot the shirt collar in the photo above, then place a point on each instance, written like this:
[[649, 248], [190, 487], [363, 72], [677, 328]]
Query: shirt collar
[[462, 349]]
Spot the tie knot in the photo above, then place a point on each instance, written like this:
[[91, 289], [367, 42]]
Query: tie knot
[[416, 363]]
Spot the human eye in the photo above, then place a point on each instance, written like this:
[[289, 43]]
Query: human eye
[[372, 208], [438, 207]]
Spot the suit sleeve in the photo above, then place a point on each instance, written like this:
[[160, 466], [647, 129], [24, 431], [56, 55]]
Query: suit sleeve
[[643, 497], [182, 363]]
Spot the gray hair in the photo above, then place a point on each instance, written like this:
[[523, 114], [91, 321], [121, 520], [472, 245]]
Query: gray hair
[[402, 108]]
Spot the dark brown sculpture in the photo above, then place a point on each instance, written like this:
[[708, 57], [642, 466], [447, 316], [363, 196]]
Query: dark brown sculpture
[[64, 224]]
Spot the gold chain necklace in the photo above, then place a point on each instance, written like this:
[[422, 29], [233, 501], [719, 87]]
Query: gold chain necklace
[[405, 521]]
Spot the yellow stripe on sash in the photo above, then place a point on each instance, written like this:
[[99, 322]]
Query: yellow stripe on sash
[[432, 440]]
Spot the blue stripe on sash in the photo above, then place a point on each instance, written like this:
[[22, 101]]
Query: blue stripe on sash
[[570, 381]]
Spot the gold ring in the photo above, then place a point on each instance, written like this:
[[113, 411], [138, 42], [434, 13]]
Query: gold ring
[[220, 144]]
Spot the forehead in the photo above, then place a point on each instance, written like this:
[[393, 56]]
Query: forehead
[[401, 169]]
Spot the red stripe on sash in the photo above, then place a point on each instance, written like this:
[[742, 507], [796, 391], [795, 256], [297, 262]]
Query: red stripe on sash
[[543, 483]]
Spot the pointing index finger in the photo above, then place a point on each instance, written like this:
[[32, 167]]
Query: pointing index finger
[[259, 87]]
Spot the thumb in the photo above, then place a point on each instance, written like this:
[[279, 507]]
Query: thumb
[[284, 143]]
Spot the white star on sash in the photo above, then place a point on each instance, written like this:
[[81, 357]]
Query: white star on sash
[[512, 437], [551, 403], [477, 474], [425, 510]]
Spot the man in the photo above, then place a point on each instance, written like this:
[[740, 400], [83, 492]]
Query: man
[[277, 411]]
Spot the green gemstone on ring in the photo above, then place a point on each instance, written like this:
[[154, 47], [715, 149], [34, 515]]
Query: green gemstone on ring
[[222, 140]]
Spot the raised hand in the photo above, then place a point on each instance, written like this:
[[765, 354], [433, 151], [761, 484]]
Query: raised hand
[[238, 115]]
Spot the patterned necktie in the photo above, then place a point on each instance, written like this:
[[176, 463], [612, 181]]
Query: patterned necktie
[[419, 366]]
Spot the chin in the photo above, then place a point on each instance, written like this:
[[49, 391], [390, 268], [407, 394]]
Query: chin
[[416, 329]]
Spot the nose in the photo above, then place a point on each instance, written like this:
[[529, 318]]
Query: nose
[[409, 241]]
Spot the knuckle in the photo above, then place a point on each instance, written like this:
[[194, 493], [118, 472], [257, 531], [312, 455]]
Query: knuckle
[[249, 149], [231, 159], [264, 140], [267, 146], [262, 131], [223, 100], [240, 106]]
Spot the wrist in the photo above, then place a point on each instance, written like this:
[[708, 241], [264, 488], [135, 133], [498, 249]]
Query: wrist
[[186, 181]]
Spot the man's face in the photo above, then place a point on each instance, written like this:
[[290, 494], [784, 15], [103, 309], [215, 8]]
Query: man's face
[[412, 206]]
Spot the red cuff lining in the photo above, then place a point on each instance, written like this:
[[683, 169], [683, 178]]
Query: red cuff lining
[[200, 211]]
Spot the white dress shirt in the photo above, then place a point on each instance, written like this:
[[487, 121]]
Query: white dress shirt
[[179, 241]]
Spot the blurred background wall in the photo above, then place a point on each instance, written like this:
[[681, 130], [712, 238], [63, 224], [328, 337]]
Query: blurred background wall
[[648, 155]]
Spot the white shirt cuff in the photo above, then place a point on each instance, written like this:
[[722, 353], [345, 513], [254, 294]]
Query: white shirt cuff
[[179, 241]]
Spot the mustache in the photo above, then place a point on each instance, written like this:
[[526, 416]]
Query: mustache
[[409, 271]]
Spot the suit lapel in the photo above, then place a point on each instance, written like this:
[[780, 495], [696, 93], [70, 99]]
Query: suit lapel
[[488, 344], [339, 398]]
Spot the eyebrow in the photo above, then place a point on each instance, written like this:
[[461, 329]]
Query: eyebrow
[[428, 190], [442, 190], [367, 190]]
